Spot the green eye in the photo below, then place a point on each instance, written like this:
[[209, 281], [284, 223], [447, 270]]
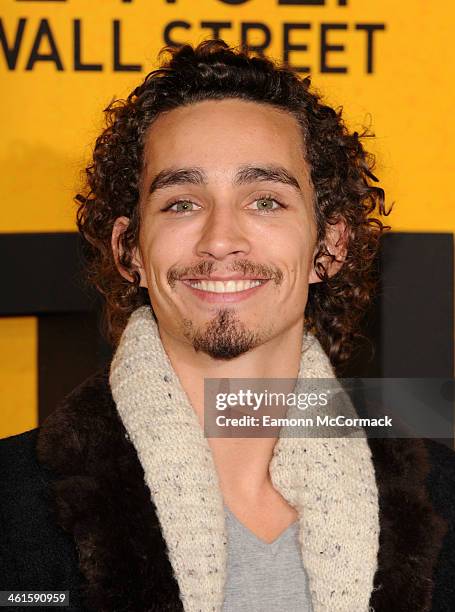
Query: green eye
[[266, 204], [183, 206]]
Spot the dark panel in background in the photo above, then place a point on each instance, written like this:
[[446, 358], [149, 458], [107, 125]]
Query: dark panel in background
[[42, 274], [70, 349], [417, 306], [44, 278], [410, 324]]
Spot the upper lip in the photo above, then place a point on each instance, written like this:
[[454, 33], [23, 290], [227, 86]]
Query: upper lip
[[234, 277]]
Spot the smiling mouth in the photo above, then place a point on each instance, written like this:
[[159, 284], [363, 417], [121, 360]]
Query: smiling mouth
[[231, 286]]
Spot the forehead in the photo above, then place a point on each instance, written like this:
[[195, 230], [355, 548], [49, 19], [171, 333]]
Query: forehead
[[221, 135]]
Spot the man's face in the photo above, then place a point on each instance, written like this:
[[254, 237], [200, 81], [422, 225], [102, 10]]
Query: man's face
[[228, 232]]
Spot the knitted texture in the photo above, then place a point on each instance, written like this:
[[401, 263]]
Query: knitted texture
[[330, 481]]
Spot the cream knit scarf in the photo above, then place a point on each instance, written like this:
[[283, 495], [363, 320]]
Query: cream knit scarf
[[330, 482]]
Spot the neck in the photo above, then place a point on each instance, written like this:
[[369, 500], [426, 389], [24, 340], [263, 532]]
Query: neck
[[279, 357]]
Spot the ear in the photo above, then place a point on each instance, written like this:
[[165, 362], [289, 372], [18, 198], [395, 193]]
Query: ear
[[336, 243], [120, 226]]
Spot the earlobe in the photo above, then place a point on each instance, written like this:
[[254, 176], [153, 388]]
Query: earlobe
[[336, 244], [313, 277], [120, 226]]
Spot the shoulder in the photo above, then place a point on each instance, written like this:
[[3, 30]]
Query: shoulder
[[441, 477], [21, 476], [38, 551], [441, 489], [35, 552], [17, 452], [81, 417], [439, 484], [418, 463]]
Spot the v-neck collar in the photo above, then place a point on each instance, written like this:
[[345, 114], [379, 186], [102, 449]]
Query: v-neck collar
[[256, 540]]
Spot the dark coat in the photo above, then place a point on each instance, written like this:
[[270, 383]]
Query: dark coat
[[77, 515]]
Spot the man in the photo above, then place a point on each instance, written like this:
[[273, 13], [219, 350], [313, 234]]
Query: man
[[229, 224]]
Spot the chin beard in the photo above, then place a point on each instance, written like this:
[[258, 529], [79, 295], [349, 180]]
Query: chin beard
[[225, 337]]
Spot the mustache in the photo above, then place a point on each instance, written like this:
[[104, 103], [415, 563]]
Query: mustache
[[207, 268]]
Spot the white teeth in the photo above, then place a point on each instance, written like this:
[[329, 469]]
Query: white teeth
[[225, 286]]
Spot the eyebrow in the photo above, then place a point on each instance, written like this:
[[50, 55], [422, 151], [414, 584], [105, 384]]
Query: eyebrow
[[171, 177], [244, 176], [272, 174]]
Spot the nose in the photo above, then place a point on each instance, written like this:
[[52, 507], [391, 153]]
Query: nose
[[222, 235]]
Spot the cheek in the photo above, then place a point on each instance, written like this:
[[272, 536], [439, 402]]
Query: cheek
[[161, 250], [294, 249], [306, 239], [160, 246]]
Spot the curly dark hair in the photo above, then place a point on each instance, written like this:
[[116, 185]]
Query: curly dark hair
[[341, 173]]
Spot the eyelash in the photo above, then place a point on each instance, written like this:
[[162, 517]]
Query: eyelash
[[265, 196]]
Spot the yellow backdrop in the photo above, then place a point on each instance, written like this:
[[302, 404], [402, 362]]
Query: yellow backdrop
[[389, 64]]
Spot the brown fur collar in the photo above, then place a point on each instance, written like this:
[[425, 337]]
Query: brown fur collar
[[411, 532], [102, 499]]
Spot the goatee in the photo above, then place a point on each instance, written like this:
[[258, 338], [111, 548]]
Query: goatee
[[224, 337]]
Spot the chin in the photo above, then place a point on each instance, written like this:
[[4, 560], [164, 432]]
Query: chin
[[223, 337]]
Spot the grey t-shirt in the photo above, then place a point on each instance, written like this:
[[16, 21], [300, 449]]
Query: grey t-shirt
[[264, 577]]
